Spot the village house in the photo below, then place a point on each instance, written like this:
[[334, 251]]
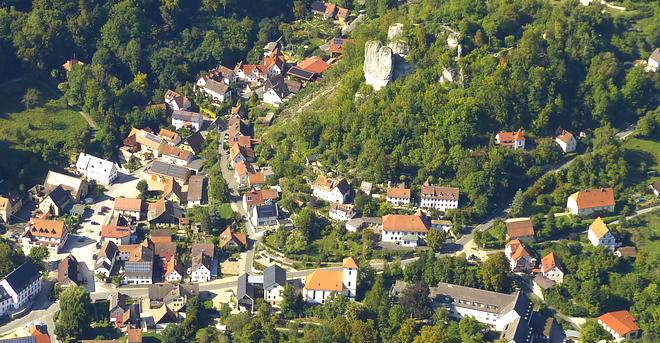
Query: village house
[[173, 270], [176, 156], [190, 120], [238, 153], [590, 201], [172, 191], [439, 198], [57, 202], [69, 64], [274, 63], [655, 188], [321, 283], [620, 324], [250, 72], [123, 314], [565, 140], [173, 296], [221, 73], [275, 90], [654, 60], [161, 172], [521, 261], [274, 283], [259, 197], [164, 253], [309, 69], [256, 179], [511, 139], [405, 229], [600, 236], [43, 232], [237, 127], [76, 187], [520, 229], [204, 263], [197, 190], [118, 232], [242, 171], [67, 272], [217, 91], [164, 213], [93, 168], [442, 225], [9, 205], [176, 101], [230, 240], [133, 335], [341, 212], [265, 215], [399, 196], [106, 258], [129, 207], [356, 224], [193, 144], [138, 263], [170, 137], [551, 268], [19, 287], [270, 286], [331, 190], [508, 313], [151, 145]]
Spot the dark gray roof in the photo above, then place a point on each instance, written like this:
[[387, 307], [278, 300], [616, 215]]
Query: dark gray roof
[[343, 186], [318, 6], [543, 281], [165, 292], [518, 331], [195, 141], [23, 276], [186, 115], [277, 84], [59, 196], [167, 169], [244, 288], [274, 275], [139, 269], [268, 210]]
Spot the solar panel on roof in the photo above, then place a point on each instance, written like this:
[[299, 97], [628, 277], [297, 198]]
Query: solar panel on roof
[[303, 74], [339, 41]]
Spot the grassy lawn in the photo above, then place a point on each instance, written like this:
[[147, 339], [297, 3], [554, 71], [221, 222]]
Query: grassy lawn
[[649, 149], [644, 155], [645, 236], [150, 337], [47, 121]]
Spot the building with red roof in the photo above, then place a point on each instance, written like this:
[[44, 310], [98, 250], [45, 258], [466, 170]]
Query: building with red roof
[[620, 324]]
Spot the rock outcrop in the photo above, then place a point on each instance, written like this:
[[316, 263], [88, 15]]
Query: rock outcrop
[[378, 64], [395, 30], [397, 42]]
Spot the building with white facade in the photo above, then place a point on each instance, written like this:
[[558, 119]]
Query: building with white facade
[[620, 324], [404, 229], [191, 120], [341, 212], [520, 259], [218, 91], [439, 198], [274, 283], [508, 313], [322, 283], [400, 197], [511, 139], [176, 101], [590, 201], [654, 60], [138, 263], [551, 268], [204, 265], [566, 141], [93, 168], [19, 286], [44, 232], [600, 236], [331, 190], [264, 215]]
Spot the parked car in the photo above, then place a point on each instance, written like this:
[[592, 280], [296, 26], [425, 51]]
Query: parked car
[[95, 223], [105, 209]]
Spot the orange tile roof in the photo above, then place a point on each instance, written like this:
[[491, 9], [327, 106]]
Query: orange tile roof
[[134, 335], [228, 235], [519, 227], [325, 280], [241, 168], [173, 265], [599, 228], [128, 204], [314, 64], [68, 65], [398, 193], [46, 228], [549, 261], [518, 250], [167, 134], [622, 322], [590, 198], [177, 152], [349, 262], [114, 231], [4, 203], [257, 179], [404, 222], [565, 136]]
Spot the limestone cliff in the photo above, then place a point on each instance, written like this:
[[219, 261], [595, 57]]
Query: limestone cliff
[[378, 64]]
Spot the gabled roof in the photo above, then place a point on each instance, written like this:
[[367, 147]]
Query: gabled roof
[[67, 271], [161, 235], [69, 64], [165, 250], [565, 136], [59, 196], [114, 231], [325, 280], [599, 228], [23, 276], [177, 153], [511, 136], [166, 169], [66, 181], [216, 87], [94, 164], [314, 64], [228, 235], [277, 85], [600, 197], [257, 179], [134, 335], [519, 227], [328, 184], [186, 116], [346, 208], [197, 188], [550, 261], [349, 262], [148, 139], [274, 275], [398, 192], [266, 210], [108, 250], [128, 204], [518, 250], [655, 55], [203, 248], [627, 252], [195, 142], [442, 193], [622, 322], [260, 197], [404, 223], [46, 228]]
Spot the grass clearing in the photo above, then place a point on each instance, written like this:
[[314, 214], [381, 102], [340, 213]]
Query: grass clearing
[[645, 236]]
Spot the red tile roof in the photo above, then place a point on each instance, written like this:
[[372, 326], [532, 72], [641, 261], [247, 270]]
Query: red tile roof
[[405, 223], [594, 198], [622, 322]]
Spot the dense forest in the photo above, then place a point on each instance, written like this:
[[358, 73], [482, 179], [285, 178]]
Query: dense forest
[[536, 65]]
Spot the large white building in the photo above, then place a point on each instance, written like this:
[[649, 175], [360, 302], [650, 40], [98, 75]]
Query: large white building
[[331, 190], [566, 141], [404, 229], [400, 197], [191, 120], [19, 286], [44, 232], [508, 313], [439, 198], [591, 201], [322, 283], [97, 169]]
